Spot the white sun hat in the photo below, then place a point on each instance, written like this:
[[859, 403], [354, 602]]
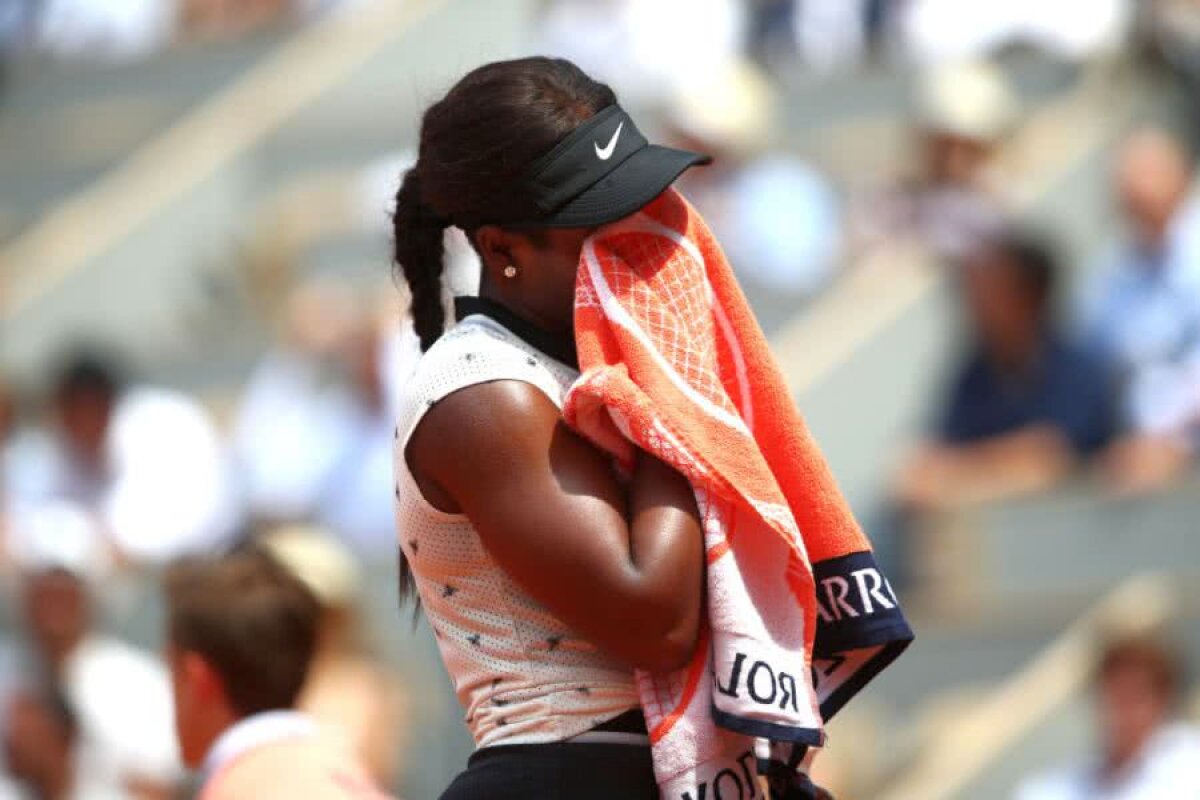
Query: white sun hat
[[971, 99]]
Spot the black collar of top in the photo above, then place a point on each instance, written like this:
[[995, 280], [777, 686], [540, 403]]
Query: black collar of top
[[602, 171], [557, 347]]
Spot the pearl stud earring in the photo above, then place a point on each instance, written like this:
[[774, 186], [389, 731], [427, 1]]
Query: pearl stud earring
[[510, 271]]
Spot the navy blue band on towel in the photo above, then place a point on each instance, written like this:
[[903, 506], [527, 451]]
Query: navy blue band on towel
[[856, 611]]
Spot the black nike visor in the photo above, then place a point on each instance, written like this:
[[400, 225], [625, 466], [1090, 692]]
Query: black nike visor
[[602, 171]]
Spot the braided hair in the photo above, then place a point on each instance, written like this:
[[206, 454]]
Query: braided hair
[[475, 143]]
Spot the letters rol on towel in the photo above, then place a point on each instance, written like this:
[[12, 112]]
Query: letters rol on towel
[[799, 618]]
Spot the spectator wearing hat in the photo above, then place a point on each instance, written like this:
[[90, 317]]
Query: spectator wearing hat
[[241, 634], [958, 196], [1142, 752]]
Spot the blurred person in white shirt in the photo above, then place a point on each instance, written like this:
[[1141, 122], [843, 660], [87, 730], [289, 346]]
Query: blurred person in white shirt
[[356, 498], [146, 462], [1144, 311], [119, 695], [1143, 754], [282, 431], [313, 434]]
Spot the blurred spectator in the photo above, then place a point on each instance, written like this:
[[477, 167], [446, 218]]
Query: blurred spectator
[[101, 29], [1026, 401], [831, 34], [1145, 312], [624, 42], [241, 634], [313, 435], [227, 19], [282, 431], [1143, 754], [146, 462], [27, 467], [356, 500], [776, 217], [939, 30], [41, 750], [957, 198], [119, 695], [346, 688]]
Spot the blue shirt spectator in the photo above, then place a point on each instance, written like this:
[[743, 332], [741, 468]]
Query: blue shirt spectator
[[1026, 404], [1064, 387], [1145, 312]]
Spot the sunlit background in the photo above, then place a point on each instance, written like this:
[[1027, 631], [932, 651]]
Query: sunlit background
[[967, 228]]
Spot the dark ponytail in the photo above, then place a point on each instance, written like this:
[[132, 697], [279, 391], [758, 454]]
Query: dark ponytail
[[418, 251], [476, 142]]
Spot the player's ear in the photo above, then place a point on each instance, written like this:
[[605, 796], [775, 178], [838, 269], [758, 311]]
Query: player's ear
[[495, 248]]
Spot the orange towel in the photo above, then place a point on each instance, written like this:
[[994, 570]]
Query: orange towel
[[673, 362]]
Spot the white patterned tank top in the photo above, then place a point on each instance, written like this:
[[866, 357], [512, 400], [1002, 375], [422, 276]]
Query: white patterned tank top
[[521, 675]]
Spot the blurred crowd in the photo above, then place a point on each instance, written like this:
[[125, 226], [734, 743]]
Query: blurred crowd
[[820, 34], [101, 472], [1108, 380], [128, 30], [126, 476]]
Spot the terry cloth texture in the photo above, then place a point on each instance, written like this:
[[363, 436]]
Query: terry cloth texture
[[799, 617]]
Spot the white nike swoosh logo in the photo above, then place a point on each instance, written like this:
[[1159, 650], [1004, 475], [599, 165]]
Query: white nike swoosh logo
[[605, 153]]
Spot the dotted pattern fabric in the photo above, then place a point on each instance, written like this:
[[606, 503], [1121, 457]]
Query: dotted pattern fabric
[[521, 675]]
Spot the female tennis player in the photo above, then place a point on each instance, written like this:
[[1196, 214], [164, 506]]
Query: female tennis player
[[544, 578]]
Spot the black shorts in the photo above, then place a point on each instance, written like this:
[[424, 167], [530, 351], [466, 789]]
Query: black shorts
[[557, 771]]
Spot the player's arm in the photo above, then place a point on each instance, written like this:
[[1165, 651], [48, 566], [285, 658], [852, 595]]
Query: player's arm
[[622, 566]]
